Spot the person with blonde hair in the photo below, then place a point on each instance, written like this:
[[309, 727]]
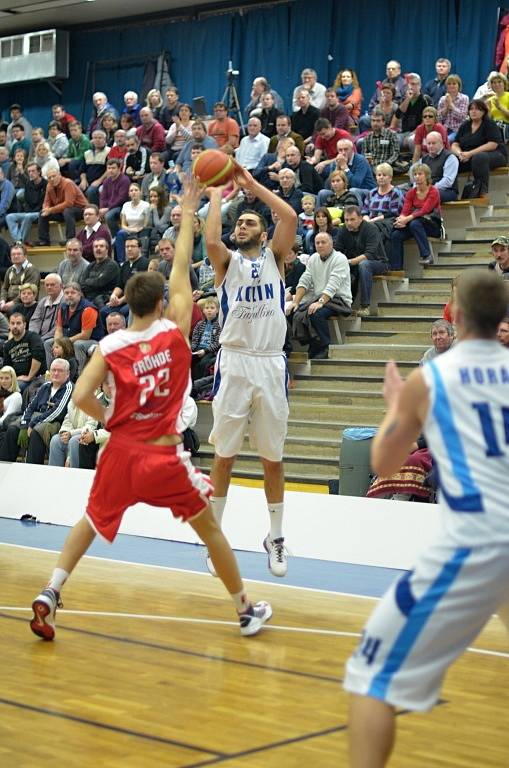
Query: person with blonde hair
[[10, 396], [498, 104]]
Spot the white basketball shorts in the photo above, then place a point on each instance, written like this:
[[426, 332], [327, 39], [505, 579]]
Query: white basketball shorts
[[250, 397], [425, 621]]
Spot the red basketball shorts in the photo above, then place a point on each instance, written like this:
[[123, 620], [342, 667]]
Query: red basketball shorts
[[162, 476]]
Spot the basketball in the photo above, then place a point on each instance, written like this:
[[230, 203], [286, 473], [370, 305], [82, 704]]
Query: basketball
[[213, 168]]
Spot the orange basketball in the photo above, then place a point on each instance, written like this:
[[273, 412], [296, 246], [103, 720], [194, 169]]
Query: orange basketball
[[213, 168]]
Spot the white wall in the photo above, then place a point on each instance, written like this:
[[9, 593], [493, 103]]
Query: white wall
[[339, 528]]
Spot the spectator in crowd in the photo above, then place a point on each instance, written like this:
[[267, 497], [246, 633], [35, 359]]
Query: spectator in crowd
[[27, 300], [92, 231], [500, 252], [134, 263], [449, 311], [24, 351], [44, 318], [436, 87], [393, 76], [380, 145], [288, 191], [175, 218], [266, 172], [62, 118], [502, 335], [109, 125], [19, 140], [10, 398], [198, 136], [268, 115], [93, 166], [306, 177], [91, 442], [338, 196], [7, 198], [253, 146], [151, 134], [101, 106], [154, 101], [101, 276], [171, 108], [17, 118], [361, 242], [179, 132], [127, 124], [323, 291], [113, 194], [442, 337], [64, 446], [484, 91], [429, 123], [158, 217], [119, 148], [21, 271], [453, 106], [322, 222], [77, 146], [136, 163], [133, 221], [19, 224], [156, 177], [326, 139], [132, 107], [356, 167], [498, 104], [259, 87], [57, 140], [41, 419], [284, 131], [64, 348], [63, 201], [410, 111], [307, 217], [5, 163], [316, 90], [305, 116], [294, 269], [115, 322], [443, 166], [205, 339], [167, 252], [17, 174], [45, 159], [349, 92], [72, 268], [386, 200], [37, 137], [336, 113], [223, 129], [77, 320], [420, 218], [479, 147]]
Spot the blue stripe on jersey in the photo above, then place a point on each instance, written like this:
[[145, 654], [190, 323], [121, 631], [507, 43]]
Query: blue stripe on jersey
[[418, 617], [404, 597], [471, 500], [224, 301], [217, 375], [282, 294]]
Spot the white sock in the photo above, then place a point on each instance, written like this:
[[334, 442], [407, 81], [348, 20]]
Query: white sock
[[240, 601], [58, 579], [276, 519], [218, 504]]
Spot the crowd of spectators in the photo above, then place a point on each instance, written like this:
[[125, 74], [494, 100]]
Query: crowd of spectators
[[115, 184]]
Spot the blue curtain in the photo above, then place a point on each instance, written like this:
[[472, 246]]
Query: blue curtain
[[279, 42]]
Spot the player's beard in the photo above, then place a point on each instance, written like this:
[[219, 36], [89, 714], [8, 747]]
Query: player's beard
[[251, 242]]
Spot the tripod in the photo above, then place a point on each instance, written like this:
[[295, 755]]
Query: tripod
[[231, 99]]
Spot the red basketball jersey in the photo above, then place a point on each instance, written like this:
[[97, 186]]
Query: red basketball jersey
[[149, 377]]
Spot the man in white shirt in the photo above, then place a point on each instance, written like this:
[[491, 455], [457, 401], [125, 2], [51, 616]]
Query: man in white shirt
[[316, 90], [253, 146]]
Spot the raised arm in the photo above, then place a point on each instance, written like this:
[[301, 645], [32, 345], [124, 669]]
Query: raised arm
[[181, 297], [286, 228], [218, 253]]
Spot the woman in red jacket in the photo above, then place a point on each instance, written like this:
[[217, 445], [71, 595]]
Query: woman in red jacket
[[419, 218]]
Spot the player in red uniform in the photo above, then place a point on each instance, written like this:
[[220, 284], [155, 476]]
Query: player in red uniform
[[147, 367]]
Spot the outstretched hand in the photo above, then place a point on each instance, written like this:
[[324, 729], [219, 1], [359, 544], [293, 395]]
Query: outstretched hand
[[393, 383]]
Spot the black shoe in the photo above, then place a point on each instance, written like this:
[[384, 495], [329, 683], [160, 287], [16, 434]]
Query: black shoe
[[42, 244], [322, 354]]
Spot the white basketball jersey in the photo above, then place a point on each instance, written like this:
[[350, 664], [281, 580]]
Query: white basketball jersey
[[467, 429], [252, 299]]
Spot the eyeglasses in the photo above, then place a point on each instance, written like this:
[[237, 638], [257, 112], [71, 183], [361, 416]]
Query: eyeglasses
[[428, 115]]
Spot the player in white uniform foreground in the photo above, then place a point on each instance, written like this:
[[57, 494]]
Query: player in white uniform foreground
[[251, 379], [430, 615], [148, 370]]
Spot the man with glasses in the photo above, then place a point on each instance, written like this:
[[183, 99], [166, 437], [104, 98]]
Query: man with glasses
[[224, 129]]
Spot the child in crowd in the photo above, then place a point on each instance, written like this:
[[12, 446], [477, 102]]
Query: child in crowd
[[205, 338], [306, 218], [64, 348], [153, 265]]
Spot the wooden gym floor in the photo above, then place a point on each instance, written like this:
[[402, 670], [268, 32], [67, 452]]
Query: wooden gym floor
[[149, 671]]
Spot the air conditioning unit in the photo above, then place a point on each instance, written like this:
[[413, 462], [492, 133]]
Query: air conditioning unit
[[34, 56]]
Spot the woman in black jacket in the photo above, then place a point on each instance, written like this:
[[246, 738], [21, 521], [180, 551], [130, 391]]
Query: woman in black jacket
[[479, 146]]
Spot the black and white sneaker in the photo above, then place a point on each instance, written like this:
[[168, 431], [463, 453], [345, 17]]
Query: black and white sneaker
[[45, 607], [276, 550], [254, 618]]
